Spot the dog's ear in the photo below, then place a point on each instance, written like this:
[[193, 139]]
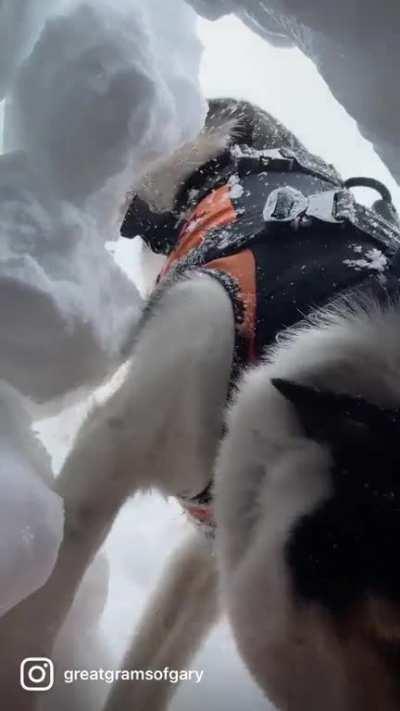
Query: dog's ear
[[338, 418]]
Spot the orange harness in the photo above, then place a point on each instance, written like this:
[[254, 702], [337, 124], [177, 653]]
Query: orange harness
[[283, 235], [217, 210], [242, 271]]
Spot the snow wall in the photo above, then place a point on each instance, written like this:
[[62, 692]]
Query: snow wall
[[91, 93]]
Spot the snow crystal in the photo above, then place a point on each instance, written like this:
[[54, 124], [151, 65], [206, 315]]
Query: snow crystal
[[224, 239], [193, 194], [236, 189], [374, 260]]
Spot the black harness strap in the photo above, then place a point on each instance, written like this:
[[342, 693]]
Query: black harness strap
[[358, 182], [306, 231]]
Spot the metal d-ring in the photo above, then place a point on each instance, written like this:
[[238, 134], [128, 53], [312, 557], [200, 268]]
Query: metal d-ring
[[370, 183]]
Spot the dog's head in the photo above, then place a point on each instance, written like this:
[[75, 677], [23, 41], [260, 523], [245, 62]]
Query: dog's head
[[229, 121], [153, 209]]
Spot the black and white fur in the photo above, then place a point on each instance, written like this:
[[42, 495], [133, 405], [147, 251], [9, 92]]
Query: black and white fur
[[161, 429]]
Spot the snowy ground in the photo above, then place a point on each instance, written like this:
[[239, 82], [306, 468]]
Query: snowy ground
[[238, 63]]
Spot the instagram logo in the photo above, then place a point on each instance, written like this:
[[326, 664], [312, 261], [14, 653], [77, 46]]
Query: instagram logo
[[36, 674]]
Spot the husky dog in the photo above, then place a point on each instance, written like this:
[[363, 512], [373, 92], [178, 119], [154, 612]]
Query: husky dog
[[264, 393]]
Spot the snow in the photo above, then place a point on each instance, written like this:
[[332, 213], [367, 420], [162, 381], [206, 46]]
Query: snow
[[374, 260], [65, 308], [236, 189], [31, 515], [93, 92]]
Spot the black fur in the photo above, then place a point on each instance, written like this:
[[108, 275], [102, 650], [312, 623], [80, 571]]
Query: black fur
[[347, 549], [255, 127]]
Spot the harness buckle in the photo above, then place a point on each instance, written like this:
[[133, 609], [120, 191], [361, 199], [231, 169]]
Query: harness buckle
[[284, 205], [287, 204], [322, 206]]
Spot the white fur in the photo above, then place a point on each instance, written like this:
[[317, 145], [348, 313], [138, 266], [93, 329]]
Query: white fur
[[162, 428], [268, 475], [160, 184]]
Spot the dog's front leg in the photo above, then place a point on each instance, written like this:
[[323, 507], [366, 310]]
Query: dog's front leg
[[196, 352], [161, 428]]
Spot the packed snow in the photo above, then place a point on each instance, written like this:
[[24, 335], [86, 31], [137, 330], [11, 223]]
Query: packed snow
[[93, 91], [31, 520]]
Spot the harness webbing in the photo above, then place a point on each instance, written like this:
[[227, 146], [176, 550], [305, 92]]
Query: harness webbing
[[291, 237]]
